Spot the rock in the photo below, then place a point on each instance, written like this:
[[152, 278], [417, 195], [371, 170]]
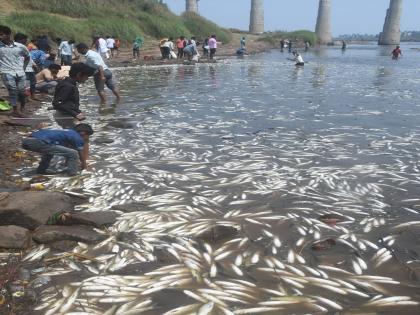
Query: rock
[[63, 246], [218, 233], [132, 207], [97, 219], [6, 186], [31, 209], [324, 245], [331, 219], [15, 237], [53, 233], [103, 141], [120, 124]]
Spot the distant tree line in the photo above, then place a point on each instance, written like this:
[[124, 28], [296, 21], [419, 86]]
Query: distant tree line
[[407, 36]]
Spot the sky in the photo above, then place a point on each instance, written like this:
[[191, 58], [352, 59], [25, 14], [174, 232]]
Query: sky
[[348, 16]]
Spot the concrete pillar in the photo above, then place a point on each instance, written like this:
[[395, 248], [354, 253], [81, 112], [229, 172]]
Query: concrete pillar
[[323, 23], [192, 6], [256, 25], [391, 34]]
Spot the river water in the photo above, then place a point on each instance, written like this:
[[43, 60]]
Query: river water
[[252, 186]]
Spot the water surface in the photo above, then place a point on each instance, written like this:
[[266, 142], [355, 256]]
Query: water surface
[[315, 168]]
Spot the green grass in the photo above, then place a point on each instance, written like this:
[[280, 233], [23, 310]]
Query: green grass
[[301, 35], [202, 27], [126, 19]]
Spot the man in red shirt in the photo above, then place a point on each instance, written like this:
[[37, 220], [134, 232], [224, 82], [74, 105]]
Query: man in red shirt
[[396, 53], [180, 44]]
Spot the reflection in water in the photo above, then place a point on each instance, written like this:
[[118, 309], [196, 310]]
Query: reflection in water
[[383, 77], [261, 196], [319, 76], [297, 73]]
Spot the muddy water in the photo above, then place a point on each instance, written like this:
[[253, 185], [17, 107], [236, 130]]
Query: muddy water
[[251, 186]]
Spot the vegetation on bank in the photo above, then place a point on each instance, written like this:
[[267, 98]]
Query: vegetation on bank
[[274, 38], [80, 19]]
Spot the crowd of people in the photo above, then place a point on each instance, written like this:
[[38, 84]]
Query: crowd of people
[[184, 48], [32, 65]]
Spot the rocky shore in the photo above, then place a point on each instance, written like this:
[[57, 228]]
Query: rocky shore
[[31, 216]]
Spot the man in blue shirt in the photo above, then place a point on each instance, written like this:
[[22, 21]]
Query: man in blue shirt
[[73, 144]]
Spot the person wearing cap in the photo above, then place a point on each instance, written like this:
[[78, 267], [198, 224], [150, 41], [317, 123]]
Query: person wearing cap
[[72, 144]]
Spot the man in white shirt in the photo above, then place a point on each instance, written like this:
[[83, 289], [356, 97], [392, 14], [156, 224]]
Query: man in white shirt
[[110, 44], [168, 46], [298, 59], [66, 50], [14, 59], [102, 76], [102, 48]]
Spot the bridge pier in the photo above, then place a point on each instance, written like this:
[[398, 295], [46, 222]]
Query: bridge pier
[[256, 25], [391, 34], [191, 6], [323, 23]]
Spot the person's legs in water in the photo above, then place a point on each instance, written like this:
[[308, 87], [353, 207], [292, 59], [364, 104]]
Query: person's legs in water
[[46, 87], [64, 120], [48, 151], [68, 60], [100, 87], [166, 51], [180, 53], [31, 77], [109, 82], [212, 52], [21, 85], [136, 53], [14, 86]]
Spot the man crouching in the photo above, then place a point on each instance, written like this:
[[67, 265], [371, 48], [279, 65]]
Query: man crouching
[[72, 144]]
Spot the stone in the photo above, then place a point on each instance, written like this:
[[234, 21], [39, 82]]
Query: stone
[[14, 237], [331, 219], [54, 233], [132, 207], [218, 233], [30, 209], [62, 246], [96, 219], [323, 245], [120, 124]]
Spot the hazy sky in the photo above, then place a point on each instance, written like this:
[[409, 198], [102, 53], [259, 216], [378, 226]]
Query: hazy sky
[[349, 16]]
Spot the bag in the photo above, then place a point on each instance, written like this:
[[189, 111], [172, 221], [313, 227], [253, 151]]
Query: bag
[[5, 106], [173, 55], [195, 58]]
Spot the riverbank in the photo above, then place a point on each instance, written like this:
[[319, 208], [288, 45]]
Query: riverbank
[[18, 283], [150, 53]]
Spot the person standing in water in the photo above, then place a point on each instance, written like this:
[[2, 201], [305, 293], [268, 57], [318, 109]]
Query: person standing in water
[[243, 43], [138, 42], [14, 59], [396, 53], [344, 46], [298, 59], [103, 76], [282, 43], [213, 46]]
